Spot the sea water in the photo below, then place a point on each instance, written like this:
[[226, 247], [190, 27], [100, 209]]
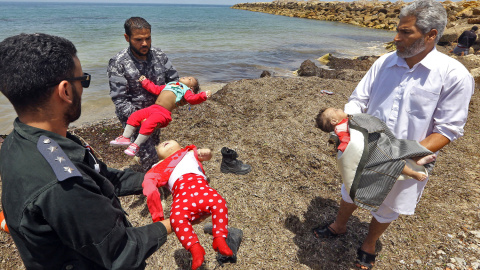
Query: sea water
[[216, 44]]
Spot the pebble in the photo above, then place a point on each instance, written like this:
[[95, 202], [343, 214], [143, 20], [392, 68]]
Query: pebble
[[460, 261], [475, 233], [451, 266], [417, 261], [402, 261], [441, 252]]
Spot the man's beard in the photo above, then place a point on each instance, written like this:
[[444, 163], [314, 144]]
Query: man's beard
[[417, 47], [75, 109], [137, 52]]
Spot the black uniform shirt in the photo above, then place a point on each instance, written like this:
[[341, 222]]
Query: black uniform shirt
[[61, 205]]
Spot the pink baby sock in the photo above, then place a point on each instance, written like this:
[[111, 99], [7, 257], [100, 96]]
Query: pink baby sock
[[220, 245], [197, 252]]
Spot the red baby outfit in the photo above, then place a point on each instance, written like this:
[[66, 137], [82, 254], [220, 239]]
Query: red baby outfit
[[341, 129], [192, 199], [154, 115], [192, 196]]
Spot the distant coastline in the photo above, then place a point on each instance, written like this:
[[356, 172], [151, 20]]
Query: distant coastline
[[372, 14]]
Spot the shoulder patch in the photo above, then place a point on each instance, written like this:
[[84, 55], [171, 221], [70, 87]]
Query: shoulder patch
[[62, 166]]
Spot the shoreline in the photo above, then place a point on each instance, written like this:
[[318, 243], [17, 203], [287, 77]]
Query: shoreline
[[371, 14]]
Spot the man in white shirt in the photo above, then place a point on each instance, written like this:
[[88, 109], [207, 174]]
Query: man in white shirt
[[421, 94]]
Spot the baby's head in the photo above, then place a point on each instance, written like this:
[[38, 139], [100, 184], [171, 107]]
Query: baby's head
[[192, 83], [328, 118], [167, 148]]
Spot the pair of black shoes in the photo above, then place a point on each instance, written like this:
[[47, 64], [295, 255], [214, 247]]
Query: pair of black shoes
[[230, 163]]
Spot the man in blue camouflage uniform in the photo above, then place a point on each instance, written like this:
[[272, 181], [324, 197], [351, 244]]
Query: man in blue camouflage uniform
[[124, 70], [60, 202]]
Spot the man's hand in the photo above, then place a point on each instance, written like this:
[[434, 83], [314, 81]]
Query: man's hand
[[142, 78], [168, 226]]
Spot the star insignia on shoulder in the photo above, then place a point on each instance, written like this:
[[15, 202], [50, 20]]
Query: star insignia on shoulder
[[60, 159], [46, 141], [52, 149], [68, 169]]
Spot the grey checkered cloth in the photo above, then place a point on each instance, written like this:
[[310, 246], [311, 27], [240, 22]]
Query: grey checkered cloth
[[382, 161]]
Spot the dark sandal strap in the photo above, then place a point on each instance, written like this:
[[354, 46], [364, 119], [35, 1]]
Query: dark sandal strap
[[325, 231], [365, 259], [332, 230]]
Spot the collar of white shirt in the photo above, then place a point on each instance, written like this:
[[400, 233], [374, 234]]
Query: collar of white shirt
[[429, 61]]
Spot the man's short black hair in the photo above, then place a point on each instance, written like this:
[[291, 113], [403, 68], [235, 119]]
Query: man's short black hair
[[475, 28], [135, 23], [29, 63]]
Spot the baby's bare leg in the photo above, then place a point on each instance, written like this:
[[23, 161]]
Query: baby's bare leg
[[415, 175], [425, 160]]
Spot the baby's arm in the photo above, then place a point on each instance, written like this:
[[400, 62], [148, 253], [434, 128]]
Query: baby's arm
[[344, 138], [150, 86], [150, 189], [204, 154], [194, 99]]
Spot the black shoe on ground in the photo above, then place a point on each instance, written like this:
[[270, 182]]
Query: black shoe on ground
[[233, 240], [230, 163]]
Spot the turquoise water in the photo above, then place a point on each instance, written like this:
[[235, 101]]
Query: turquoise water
[[217, 44]]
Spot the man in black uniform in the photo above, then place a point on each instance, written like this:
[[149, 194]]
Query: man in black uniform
[[465, 41], [59, 201]]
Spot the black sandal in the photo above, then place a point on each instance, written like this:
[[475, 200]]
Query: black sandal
[[365, 260], [326, 232]]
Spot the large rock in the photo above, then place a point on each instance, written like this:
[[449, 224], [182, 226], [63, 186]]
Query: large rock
[[308, 68], [362, 63], [475, 20], [449, 36]]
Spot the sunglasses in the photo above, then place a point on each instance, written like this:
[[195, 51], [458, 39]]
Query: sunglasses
[[84, 80]]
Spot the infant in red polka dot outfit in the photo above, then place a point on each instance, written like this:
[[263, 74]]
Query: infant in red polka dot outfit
[[181, 169]]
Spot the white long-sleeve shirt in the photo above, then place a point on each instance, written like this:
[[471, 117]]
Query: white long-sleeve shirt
[[431, 97]]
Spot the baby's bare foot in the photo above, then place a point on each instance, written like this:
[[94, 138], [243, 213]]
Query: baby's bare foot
[[426, 159], [419, 176]]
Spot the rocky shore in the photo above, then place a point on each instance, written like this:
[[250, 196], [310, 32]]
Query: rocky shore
[[373, 14], [294, 185]]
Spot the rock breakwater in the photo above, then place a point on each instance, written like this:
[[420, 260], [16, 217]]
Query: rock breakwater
[[372, 14]]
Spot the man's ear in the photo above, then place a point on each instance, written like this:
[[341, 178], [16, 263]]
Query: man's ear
[[432, 34], [64, 91], [127, 38]]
